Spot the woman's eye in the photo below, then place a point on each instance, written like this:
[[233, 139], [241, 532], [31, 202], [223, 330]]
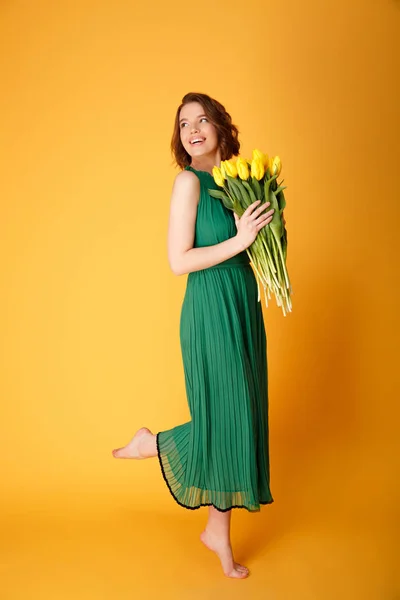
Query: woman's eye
[[184, 124]]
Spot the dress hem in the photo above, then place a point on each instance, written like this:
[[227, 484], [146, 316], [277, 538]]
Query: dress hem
[[263, 503]]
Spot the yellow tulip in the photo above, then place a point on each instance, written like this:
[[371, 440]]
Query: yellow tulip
[[277, 162], [242, 168], [218, 177], [230, 168], [275, 165], [262, 156], [257, 168]]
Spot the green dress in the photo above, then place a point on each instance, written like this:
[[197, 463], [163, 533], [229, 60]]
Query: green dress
[[220, 457]]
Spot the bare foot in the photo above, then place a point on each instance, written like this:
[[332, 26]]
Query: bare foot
[[224, 552], [132, 450]]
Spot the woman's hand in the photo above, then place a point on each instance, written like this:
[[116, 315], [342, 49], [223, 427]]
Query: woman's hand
[[250, 223]]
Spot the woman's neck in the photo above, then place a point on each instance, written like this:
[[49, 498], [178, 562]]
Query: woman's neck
[[206, 163]]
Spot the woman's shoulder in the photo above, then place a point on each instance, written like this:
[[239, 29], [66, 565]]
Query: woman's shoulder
[[186, 178], [186, 189]]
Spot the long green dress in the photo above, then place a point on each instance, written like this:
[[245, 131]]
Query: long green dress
[[220, 457]]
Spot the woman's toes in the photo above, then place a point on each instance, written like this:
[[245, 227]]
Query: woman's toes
[[236, 574], [118, 453], [241, 568]]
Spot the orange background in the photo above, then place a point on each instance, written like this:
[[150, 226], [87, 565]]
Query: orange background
[[90, 309]]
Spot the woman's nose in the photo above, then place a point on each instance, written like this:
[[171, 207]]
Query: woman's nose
[[194, 129]]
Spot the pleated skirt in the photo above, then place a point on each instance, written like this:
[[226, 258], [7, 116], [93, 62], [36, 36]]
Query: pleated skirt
[[221, 456]]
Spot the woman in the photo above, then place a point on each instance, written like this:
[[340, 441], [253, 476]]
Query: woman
[[220, 458]]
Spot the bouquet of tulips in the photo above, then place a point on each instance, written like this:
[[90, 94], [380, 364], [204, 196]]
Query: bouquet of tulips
[[243, 182]]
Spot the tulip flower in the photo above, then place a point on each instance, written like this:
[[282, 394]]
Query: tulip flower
[[257, 168], [242, 168], [218, 177], [275, 165], [230, 168], [241, 186], [263, 157], [223, 170]]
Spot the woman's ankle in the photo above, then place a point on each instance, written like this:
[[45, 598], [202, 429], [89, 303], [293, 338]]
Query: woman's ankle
[[148, 446]]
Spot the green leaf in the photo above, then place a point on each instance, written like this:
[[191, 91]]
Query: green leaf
[[238, 191], [280, 189], [257, 188], [218, 194], [281, 199], [283, 276], [227, 202], [276, 223], [267, 185], [284, 244], [251, 193]]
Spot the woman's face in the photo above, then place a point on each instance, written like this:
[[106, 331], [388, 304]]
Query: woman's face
[[195, 125]]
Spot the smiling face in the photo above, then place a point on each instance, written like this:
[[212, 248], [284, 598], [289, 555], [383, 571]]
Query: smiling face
[[198, 135]]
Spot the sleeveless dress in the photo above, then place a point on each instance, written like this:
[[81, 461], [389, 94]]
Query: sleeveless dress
[[221, 456]]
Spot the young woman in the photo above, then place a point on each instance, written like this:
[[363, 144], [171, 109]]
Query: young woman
[[220, 458]]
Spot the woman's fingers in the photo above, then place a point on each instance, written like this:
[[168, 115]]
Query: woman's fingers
[[254, 213], [265, 219], [254, 210], [265, 216], [250, 208], [260, 209]]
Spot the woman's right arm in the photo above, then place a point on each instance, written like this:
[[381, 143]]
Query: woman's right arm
[[183, 258]]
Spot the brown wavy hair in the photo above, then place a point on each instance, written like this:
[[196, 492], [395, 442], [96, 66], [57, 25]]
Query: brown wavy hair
[[227, 132]]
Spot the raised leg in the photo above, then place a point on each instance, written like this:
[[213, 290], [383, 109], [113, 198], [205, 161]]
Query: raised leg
[[216, 536]]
